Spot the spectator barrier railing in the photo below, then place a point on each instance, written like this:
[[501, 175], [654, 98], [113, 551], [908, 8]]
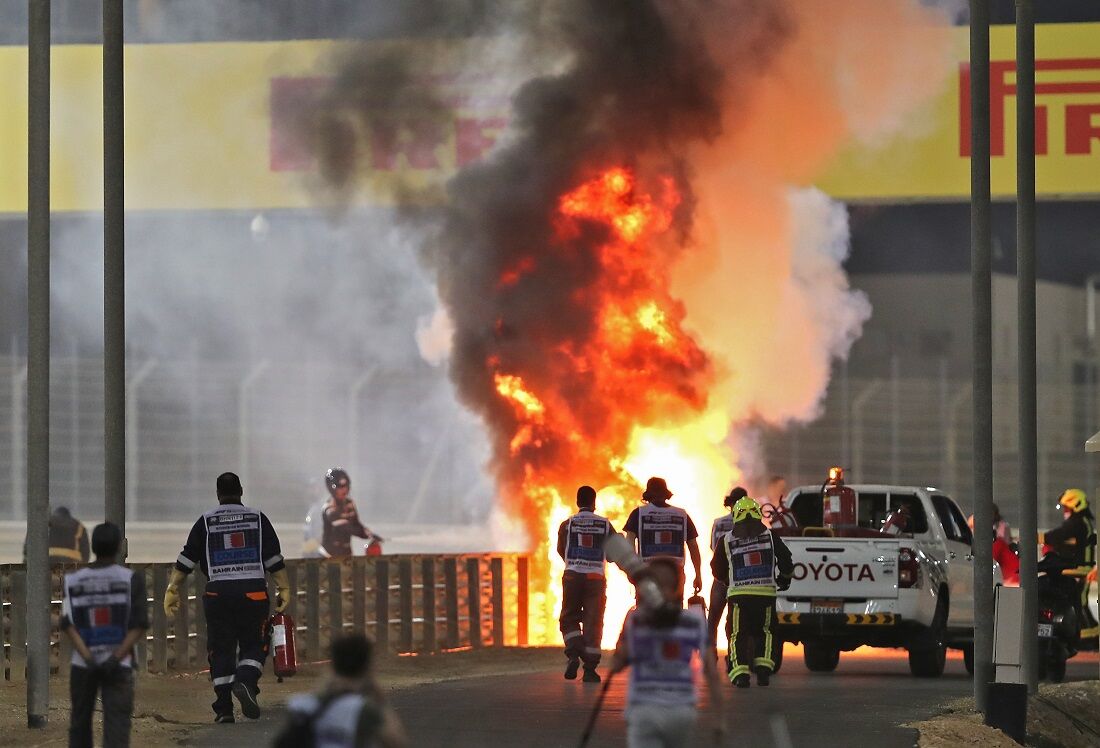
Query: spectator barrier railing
[[408, 604]]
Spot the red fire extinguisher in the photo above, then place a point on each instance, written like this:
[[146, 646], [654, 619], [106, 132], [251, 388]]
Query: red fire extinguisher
[[699, 605], [284, 657], [838, 502]]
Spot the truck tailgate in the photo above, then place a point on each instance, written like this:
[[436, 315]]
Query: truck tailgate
[[838, 568]]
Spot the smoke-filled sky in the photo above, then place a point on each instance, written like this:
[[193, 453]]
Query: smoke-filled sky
[[730, 308], [639, 276], [739, 104]]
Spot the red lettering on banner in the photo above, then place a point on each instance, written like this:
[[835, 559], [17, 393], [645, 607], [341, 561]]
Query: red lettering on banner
[[289, 98], [416, 139], [1080, 129], [476, 137], [419, 139]]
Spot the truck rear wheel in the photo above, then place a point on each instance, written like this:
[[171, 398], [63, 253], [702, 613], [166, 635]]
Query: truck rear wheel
[[928, 652], [820, 658], [927, 663]]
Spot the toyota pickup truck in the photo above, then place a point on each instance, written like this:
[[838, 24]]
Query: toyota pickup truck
[[863, 585]]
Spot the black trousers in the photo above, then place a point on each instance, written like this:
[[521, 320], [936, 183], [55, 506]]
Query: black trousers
[[582, 605], [235, 644], [117, 693], [751, 643]]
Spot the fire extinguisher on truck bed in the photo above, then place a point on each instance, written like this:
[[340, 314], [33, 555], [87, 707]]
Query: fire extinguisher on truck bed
[[280, 636], [838, 501]]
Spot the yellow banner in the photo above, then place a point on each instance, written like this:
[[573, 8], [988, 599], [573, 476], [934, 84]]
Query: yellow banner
[[216, 126], [933, 161], [213, 127]]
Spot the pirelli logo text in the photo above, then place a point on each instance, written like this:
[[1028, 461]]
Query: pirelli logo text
[[1067, 106]]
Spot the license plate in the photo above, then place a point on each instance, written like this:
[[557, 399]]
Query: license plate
[[826, 606], [1046, 630]]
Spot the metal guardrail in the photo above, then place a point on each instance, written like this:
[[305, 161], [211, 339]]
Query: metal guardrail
[[407, 604]]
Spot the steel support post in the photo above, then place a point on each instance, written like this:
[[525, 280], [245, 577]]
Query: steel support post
[[38, 365], [114, 276], [982, 281], [1025, 281]]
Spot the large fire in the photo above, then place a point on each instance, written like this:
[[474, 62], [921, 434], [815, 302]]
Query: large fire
[[639, 273], [626, 403]]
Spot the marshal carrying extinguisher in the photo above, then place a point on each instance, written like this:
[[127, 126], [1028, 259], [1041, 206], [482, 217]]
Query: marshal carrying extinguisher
[[284, 656]]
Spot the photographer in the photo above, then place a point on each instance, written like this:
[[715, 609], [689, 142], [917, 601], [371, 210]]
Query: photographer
[[348, 712]]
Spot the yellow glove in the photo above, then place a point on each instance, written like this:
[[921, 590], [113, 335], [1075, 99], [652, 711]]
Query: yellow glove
[[282, 590], [172, 594]]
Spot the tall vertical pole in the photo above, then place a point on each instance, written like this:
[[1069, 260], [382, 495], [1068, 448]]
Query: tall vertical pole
[[38, 364], [114, 301], [1025, 289], [982, 279]]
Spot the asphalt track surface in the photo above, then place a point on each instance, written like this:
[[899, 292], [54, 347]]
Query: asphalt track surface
[[864, 703]]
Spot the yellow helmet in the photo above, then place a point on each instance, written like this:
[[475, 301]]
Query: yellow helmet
[[1074, 500], [745, 508]]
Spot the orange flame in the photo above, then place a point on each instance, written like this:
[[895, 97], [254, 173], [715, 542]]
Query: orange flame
[[626, 403]]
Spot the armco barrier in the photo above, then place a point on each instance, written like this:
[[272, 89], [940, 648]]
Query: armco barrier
[[407, 604]]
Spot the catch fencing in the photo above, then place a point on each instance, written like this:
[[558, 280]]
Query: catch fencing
[[919, 432], [416, 458], [408, 604], [413, 453]]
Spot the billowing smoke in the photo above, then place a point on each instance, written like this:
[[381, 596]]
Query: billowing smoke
[[640, 274]]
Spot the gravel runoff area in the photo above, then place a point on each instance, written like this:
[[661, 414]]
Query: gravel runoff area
[[1063, 715]]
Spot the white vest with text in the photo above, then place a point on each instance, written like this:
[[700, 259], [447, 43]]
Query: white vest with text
[[662, 531], [234, 545], [751, 564], [585, 535]]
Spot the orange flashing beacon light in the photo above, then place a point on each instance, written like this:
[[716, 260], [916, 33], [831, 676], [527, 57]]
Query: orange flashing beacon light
[[838, 507]]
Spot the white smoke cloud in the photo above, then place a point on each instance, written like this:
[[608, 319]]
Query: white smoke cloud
[[434, 336]]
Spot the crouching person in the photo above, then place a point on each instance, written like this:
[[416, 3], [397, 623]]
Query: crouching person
[[349, 711], [661, 652], [104, 614]]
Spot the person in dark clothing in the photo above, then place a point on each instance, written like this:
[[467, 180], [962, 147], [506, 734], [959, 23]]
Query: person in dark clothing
[[104, 615], [68, 539], [235, 546], [661, 529], [753, 562], [349, 711], [722, 524], [340, 517], [584, 585], [1075, 539]]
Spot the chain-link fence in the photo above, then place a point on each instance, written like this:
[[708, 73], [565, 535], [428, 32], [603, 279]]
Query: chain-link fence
[[417, 457], [918, 432], [414, 455]]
